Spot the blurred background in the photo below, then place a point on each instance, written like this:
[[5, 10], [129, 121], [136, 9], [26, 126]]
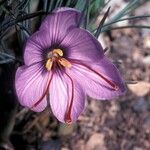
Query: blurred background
[[120, 124]]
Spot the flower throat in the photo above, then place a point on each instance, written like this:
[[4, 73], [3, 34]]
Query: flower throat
[[56, 57]]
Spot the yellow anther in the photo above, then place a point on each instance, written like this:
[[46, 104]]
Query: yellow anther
[[58, 51], [64, 62], [55, 57], [49, 64]]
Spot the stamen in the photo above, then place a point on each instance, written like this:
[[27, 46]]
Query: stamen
[[64, 62], [44, 94], [56, 56], [111, 83], [68, 118], [49, 64], [58, 51]]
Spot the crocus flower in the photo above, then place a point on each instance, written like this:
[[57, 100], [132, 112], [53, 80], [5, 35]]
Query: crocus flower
[[63, 64]]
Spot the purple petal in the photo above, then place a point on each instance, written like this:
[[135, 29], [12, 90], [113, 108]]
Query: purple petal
[[30, 85], [82, 45], [36, 47], [93, 84], [60, 22], [60, 97]]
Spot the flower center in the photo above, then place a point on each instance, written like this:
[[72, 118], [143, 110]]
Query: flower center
[[56, 57]]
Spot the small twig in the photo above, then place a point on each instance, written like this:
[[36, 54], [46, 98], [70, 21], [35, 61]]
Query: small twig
[[124, 19], [20, 19], [123, 27], [131, 82], [101, 23], [106, 49], [33, 123], [21, 112]]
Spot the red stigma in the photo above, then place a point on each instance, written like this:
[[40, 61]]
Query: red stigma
[[113, 85], [68, 118], [44, 94]]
